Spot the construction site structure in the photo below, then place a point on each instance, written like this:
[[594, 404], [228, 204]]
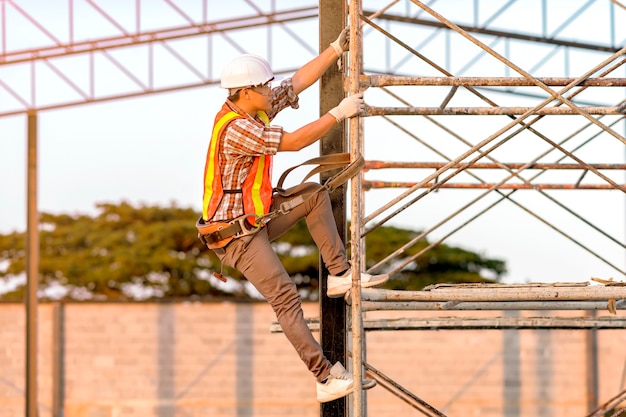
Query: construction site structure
[[550, 101], [453, 89]]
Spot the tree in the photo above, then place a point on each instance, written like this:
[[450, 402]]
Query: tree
[[441, 263], [150, 251], [153, 249]]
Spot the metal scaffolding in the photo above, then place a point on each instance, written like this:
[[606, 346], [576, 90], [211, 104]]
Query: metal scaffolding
[[553, 97]]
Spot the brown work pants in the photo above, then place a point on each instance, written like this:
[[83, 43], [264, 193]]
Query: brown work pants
[[255, 258]]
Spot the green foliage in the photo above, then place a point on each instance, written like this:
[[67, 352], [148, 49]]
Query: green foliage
[[427, 264], [156, 249], [153, 247]]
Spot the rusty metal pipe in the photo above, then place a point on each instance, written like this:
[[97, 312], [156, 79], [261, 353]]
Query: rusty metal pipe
[[395, 80], [484, 111]]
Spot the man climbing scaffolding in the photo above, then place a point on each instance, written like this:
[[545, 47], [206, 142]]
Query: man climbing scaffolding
[[241, 213]]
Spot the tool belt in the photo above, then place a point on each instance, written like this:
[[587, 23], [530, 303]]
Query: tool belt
[[217, 235]]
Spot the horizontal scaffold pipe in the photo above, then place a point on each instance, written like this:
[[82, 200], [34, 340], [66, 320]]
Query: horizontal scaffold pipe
[[486, 165], [485, 111], [474, 323], [368, 185], [488, 305], [499, 323], [394, 80], [486, 293]]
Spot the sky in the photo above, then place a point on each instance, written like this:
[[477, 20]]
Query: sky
[[151, 150]]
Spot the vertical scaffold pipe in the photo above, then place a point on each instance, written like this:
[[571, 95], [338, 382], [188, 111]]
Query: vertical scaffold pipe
[[32, 268], [333, 311], [356, 145]]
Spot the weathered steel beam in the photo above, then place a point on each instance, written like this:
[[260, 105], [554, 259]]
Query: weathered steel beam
[[333, 315], [499, 33], [486, 165], [161, 35], [31, 301], [367, 185], [498, 323], [610, 405], [402, 393], [482, 323], [395, 80], [485, 111]]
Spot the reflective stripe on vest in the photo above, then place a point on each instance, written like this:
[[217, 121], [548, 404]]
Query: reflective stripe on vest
[[257, 187]]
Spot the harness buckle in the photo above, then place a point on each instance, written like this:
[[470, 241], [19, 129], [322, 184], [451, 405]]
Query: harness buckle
[[244, 224]]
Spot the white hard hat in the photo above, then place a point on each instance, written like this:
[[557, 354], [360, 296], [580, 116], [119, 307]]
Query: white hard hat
[[246, 70]]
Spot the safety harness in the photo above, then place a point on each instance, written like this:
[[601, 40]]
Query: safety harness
[[217, 235]]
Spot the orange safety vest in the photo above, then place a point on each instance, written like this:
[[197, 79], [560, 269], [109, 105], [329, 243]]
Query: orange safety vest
[[256, 188]]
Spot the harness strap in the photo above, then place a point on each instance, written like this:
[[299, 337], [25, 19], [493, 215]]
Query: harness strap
[[324, 163], [345, 174], [212, 234], [217, 235]]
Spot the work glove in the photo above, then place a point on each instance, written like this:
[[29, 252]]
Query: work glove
[[342, 43], [348, 107]]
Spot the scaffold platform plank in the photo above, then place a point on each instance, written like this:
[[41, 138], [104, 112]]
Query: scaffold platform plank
[[503, 292]]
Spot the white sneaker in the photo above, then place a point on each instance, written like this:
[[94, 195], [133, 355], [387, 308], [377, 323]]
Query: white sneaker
[[339, 384], [339, 285]]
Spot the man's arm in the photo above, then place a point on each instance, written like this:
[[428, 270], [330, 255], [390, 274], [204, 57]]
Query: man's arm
[[307, 134], [313, 70], [310, 133]]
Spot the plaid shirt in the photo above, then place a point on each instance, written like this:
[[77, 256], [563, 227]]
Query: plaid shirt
[[243, 140]]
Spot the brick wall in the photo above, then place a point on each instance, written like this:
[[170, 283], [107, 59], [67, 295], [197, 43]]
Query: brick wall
[[219, 359]]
